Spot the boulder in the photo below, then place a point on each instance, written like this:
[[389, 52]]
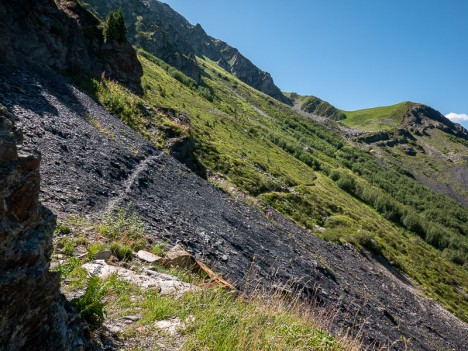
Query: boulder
[[165, 284], [103, 255], [179, 257], [148, 256]]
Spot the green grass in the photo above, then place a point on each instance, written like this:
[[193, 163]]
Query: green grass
[[216, 319], [319, 107], [377, 118]]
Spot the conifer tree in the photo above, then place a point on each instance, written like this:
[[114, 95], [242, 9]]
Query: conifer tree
[[115, 28]]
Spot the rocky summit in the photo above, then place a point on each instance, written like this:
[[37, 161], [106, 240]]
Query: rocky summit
[[182, 177]]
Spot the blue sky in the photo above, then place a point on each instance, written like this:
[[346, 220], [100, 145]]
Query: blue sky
[[354, 54]]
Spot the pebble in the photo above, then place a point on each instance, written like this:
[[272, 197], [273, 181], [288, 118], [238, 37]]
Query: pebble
[[132, 318]]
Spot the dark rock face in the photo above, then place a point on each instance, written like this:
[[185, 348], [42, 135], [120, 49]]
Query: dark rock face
[[182, 149], [161, 31], [33, 313], [85, 172], [419, 118], [64, 36], [121, 63]]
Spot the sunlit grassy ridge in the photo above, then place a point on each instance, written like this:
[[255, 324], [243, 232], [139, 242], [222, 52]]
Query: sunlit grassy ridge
[[310, 174], [377, 118], [316, 106]]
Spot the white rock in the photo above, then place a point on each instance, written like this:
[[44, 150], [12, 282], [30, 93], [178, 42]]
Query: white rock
[[147, 256], [165, 283], [170, 326]]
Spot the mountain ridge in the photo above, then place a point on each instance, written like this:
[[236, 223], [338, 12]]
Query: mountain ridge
[[154, 26]]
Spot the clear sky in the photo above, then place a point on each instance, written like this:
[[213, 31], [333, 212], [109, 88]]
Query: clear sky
[[353, 53]]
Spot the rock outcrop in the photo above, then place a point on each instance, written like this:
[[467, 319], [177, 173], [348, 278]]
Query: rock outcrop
[[316, 106], [64, 36], [420, 118], [161, 31], [33, 313]]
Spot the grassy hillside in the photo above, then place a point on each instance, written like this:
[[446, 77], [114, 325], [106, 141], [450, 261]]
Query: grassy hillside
[[377, 118], [261, 150], [434, 153]]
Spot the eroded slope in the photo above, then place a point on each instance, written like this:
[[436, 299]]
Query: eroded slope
[[85, 170]]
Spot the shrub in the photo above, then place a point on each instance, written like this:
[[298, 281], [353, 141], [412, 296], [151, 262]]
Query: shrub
[[68, 246], [66, 268], [339, 221], [122, 252], [347, 183], [124, 226], [412, 222], [90, 304], [334, 175], [370, 242], [159, 248], [62, 228]]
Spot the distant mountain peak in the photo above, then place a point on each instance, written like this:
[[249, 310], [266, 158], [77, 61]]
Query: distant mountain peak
[[163, 32]]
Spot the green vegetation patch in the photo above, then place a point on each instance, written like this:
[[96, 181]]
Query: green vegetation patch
[[207, 318], [377, 118]]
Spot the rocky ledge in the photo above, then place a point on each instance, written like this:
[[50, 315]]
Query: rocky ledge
[[64, 36], [33, 313]]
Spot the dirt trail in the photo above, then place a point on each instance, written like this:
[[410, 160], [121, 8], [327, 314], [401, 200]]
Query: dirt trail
[[130, 181]]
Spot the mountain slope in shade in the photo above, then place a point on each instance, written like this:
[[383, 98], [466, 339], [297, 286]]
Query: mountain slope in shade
[[161, 31]]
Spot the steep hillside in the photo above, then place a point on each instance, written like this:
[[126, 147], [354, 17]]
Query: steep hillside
[[254, 145], [160, 30], [411, 136], [248, 245], [275, 200]]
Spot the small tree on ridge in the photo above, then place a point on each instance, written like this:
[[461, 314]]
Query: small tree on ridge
[[114, 27]]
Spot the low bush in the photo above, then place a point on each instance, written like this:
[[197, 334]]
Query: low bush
[[123, 226], [90, 304]]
